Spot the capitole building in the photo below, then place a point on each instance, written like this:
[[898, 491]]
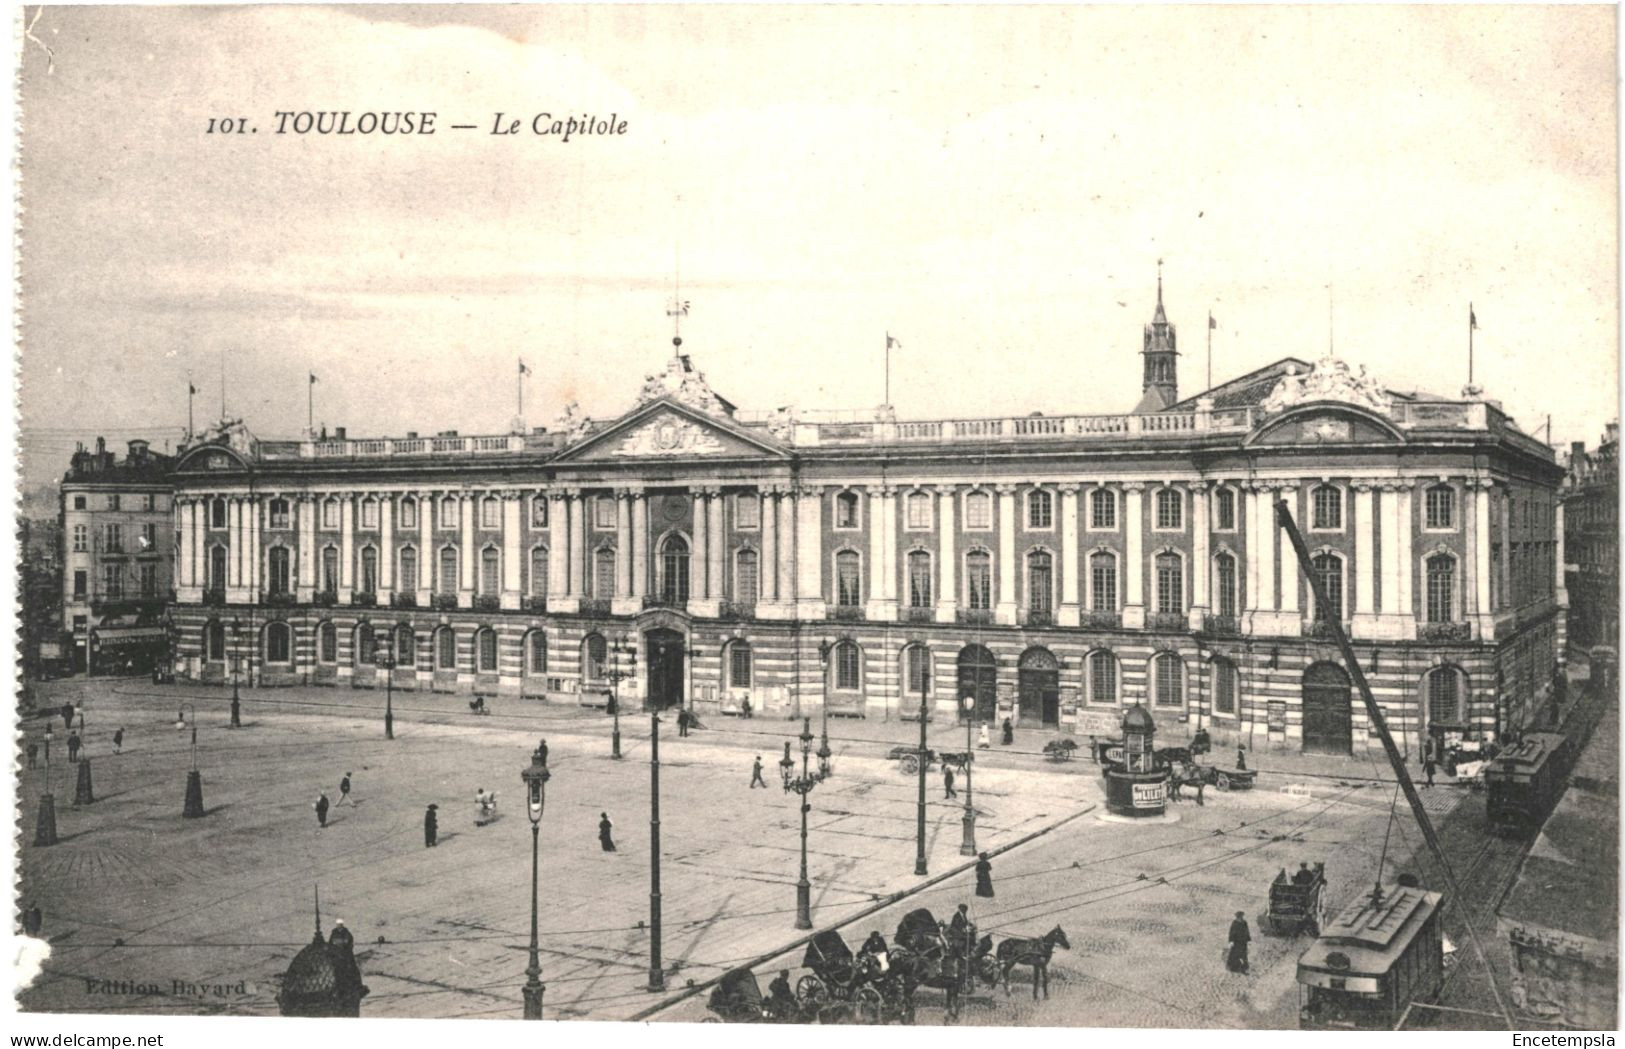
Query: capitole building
[[1053, 569]]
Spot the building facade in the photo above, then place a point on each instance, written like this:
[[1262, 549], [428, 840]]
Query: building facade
[[1591, 519], [1055, 570], [118, 558]]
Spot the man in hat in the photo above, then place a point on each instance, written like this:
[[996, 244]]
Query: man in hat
[[431, 827], [781, 1001], [959, 929], [118, 740], [1236, 960], [321, 809], [541, 752], [948, 790], [67, 716], [73, 746], [344, 788], [1241, 759], [682, 721], [984, 876], [605, 827], [1428, 765], [1303, 876], [756, 779]]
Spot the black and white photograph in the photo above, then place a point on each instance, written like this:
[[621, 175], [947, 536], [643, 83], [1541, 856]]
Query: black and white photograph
[[924, 517]]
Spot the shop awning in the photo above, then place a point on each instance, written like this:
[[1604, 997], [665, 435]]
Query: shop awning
[[110, 637]]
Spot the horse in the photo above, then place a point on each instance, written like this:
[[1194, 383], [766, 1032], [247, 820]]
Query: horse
[[1036, 953]]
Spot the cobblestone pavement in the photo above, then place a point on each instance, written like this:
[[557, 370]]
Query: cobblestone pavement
[[135, 893]]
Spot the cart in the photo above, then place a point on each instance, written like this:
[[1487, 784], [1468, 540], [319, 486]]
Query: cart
[[1227, 779], [737, 999], [908, 758], [1296, 906], [1060, 749]]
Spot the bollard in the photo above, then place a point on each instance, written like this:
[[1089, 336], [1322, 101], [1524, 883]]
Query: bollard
[[45, 828], [82, 793], [194, 795]]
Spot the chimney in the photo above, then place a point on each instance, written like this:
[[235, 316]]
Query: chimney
[[338, 433], [411, 435], [101, 445]]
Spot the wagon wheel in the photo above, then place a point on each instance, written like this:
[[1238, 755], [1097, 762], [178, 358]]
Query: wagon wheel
[[810, 990], [711, 1020], [871, 1006], [1222, 782], [911, 763]]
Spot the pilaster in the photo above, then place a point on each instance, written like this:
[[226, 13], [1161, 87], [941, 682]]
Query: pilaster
[[947, 556], [1068, 614], [1004, 611], [1134, 555], [1202, 563], [512, 558], [810, 603]]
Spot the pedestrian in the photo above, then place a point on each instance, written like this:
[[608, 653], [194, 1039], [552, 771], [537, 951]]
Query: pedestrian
[[984, 876], [344, 788], [67, 716], [541, 751], [982, 742], [321, 809], [1009, 733], [33, 921], [431, 827], [118, 740], [948, 790], [1428, 766], [756, 779], [744, 707], [33, 755], [73, 746], [1201, 785], [1236, 960], [682, 722], [959, 933], [604, 829], [1241, 759]]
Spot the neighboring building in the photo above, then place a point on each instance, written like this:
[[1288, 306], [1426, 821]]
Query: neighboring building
[[1050, 567], [1591, 544], [40, 581], [118, 542]]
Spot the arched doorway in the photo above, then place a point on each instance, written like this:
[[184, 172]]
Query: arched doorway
[[666, 654], [978, 676], [1040, 678], [1327, 723]]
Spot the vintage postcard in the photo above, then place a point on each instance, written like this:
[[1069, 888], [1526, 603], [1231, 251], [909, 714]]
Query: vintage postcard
[[1082, 517]]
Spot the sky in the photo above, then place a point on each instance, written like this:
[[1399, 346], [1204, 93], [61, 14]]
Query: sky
[[992, 186]]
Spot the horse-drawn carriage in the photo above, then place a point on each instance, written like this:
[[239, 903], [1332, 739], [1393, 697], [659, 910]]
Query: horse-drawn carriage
[[1060, 749], [737, 999], [1297, 903], [908, 758], [876, 993]]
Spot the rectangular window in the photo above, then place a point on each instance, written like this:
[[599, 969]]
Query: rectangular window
[[369, 514], [491, 513], [279, 513], [1103, 582], [1040, 511], [919, 580], [1170, 584], [979, 582], [1170, 509], [113, 539], [149, 502], [79, 540], [1224, 688], [409, 513], [1225, 584], [79, 583], [747, 511], [846, 510], [1327, 508], [538, 512], [1224, 502], [979, 511], [848, 673], [1102, 678], [919, 676], [739, 665], [447, 513], [848, 591], [919, 512], [112, 501], [112, 582], [217, 514], [78, 502], [330, 514], [604, 574], [409, 571], [1103, 509], [1441, 507], [745, 583], [149, 537], [149, 580]]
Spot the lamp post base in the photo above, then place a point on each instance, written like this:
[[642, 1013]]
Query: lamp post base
[[82, 792], [615, 744], [389, 724], [803, 905], [45, 827], [919, 866], [533, 998], [236, 710], [194, 795], [967, 846]]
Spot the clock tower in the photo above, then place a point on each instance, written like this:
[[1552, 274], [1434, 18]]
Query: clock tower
[[1160, 387]]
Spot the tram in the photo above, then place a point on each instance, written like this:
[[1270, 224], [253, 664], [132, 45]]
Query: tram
[[1383, 952], [1525, 781]]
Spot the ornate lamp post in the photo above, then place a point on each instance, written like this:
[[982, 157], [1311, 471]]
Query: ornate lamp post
[[45, 826], [616, 675], [384, 659], [535, 777], [236, 669], [194, 779], [825, 647], [657, 975], [967, 844], [802, 786], [919, 808], [83, 792]]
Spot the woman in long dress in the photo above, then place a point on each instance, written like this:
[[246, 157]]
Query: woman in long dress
[[984, 876]]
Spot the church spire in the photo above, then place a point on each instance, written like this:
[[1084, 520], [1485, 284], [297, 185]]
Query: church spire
[[1160, 387]]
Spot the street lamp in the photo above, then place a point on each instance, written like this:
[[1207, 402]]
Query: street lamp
[[535, 777], [83, 792], [657, 975], [967, 845], [824, 770], [384, 659], [45, 826], [616, 675], [194, 779], [802, 786], [236, 669], [919, 809]]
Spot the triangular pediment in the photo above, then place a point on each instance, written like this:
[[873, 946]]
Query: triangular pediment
[[667, 430]]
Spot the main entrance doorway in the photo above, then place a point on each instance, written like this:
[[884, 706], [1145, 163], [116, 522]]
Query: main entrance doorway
[[665, 653], [1040, 677], [978, 676], [1328, 726]]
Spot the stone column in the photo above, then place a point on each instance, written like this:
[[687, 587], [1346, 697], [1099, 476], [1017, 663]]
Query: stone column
[[1004, 610], [427, 557], [1250, 555], [469, 563], [947, 557], [623, 603], [565, 553], [1389, 559], [1134, 555], [768, 576], [1068, 613], [1407, 608], [1202, 568], [716, 547], [1290, 621], [640, 547], [786, 567], [1481, 557], [1505, 586], [512, 557], [809, 514], [386, 548], [234, 551]]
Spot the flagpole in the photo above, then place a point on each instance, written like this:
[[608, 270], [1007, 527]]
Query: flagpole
[[1470, 326], [521, 391], [888, 368], [191, 393], [310, 402], [1210, 349]]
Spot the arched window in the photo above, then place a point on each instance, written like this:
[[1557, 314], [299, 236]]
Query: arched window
[[1170, 509], [279, 513], [1441, 507], [1170, 584], [490, 572], [278, 643], [979, 580], [1444, 696], [1103, 582], [327, 642], [1224, 585], [1326, 508], [446, 584], [217, 568], [1224, 687], [1040, 583], [848, 583], [739, 665], [745, 577], [594, 653], [1441, 592], [848, 667], [445, 649], [1103, 509], [406, 647], [603, 573], [1102, 677], [409, 570], [538, 571], [536, 652], [1328, 568], [917, 667], [1040, 511], [369, 570], [674, 570], [409, 513], [1168, 672], [330, 569], [1224, 510], [978, 511], [366, 651], [485, 651], [919, 579], [846, 510], [214, 642], [279, 575]]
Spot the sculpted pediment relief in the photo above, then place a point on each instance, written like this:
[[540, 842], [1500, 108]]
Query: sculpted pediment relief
[[1329, 380], [669, 434]]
